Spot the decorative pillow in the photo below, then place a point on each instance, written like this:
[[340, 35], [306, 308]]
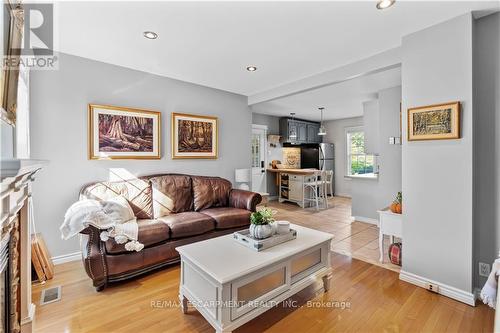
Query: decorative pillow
[[171, 194], [210, 192], [137, 192]]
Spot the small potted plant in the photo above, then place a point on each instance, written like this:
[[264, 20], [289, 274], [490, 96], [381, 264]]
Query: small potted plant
[[261, 224], [397, 204]]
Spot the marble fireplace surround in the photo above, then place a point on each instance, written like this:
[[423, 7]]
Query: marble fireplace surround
[[16, 178]]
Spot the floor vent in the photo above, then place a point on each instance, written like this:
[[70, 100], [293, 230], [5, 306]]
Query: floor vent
[[50, 295]]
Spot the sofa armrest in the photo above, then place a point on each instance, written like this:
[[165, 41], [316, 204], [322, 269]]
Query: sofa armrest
[[244, 199], [94, 258]]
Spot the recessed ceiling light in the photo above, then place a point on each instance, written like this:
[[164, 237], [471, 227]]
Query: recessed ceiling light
[[383, 4], [150, 35], [251, 68]]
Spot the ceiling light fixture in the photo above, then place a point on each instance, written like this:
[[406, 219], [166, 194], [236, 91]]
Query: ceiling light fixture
[[383, 4], [322, 129], [150, 34], [251, 68], [293, 134]]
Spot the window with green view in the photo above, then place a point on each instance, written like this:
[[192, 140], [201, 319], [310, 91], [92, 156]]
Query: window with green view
[[358, 163]]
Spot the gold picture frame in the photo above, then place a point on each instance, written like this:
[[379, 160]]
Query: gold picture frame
[[12, 49], [194, 136], [118, 133], [434, 122]]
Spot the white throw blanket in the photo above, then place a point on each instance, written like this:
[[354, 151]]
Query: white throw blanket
[[114, 216], [489, 291]]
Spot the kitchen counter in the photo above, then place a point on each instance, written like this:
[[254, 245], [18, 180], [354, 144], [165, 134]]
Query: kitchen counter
[[290, 184], [293, 171]]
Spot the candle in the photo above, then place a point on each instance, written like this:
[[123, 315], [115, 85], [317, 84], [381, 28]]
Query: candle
[[283, 227]]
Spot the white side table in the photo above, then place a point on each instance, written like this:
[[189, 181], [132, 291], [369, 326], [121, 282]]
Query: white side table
[[389, 224]]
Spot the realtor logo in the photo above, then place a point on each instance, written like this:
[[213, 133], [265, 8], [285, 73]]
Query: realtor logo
[[29, 36], [38, 29]]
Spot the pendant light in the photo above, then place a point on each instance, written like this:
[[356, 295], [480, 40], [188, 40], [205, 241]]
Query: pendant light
[[292, 135], [322, 129]]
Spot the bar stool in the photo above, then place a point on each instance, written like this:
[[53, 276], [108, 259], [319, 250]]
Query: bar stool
[[317, 188], [329, 182]]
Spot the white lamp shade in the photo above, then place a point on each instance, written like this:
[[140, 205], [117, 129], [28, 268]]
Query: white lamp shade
[[242, 175]]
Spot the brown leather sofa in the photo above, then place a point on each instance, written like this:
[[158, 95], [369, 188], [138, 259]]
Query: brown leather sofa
[[171, 210]]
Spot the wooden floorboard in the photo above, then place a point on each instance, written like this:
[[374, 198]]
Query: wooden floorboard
[[374, 299]]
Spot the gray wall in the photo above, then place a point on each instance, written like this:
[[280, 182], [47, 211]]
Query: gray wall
[[486, 141], [335, 133], [273, 153], [59, 132], [370, 195], [437, 177]]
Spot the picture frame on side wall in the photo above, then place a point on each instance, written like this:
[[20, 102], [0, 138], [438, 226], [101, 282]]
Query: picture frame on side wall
[[194, 136], [434, 122], [13, 27], [123, 133]]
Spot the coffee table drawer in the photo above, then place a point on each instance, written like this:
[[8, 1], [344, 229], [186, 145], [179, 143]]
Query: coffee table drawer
[[253, 291], [308, 262]]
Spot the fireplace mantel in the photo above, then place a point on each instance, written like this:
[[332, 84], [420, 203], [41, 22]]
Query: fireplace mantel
[[16, 176]]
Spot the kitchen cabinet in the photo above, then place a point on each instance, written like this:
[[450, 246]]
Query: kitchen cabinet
[[299, 131], [302, 127], [291, 186], [312, 133]]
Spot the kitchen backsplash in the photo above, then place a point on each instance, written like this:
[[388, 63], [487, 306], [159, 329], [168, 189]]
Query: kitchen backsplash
[[291, 158]]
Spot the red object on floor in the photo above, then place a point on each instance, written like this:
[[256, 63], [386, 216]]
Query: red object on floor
[[395, 253]]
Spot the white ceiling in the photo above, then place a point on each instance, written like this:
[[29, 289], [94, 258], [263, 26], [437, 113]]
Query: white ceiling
[[341, 100], [211, 43]]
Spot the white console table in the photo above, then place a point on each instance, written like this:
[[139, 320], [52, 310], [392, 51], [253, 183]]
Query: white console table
[[230, 284], [389, 224]]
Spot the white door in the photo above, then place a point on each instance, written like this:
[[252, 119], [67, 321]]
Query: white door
[[259, 140]]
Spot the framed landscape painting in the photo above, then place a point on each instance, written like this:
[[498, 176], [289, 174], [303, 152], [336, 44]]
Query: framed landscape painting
[[194, 136], [123, 133], [434, 122]]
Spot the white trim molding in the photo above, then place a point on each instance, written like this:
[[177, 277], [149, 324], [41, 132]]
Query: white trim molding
[[57, 260], [445, 290], [365, 220]]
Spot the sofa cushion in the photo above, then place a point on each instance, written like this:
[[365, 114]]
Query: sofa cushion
[[210, 192], [171, 194], [137, 192], [228, 217], [151, 232], [188, 224]]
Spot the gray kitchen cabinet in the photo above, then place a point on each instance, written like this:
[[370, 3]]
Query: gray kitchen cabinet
[[302, 127], [312, 133], [299, 131]]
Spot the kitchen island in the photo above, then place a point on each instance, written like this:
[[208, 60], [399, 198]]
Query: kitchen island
[[290, 184]]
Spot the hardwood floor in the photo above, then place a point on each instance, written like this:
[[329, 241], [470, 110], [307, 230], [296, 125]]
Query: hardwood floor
[[356, 239], [375, 300], [363, 297]]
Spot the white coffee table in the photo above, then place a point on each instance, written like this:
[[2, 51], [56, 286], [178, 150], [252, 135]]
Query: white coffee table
[[230, 284]]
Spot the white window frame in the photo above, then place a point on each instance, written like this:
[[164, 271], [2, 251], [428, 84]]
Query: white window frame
[[347, 156]]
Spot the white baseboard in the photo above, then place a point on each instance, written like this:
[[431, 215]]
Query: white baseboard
[[345, 195], [366, 220], [445, 290], [57, 260]]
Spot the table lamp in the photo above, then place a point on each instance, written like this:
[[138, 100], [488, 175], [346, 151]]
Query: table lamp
[[242, 176]]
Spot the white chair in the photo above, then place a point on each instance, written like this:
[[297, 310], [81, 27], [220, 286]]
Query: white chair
[[329, 182], [317, 188]]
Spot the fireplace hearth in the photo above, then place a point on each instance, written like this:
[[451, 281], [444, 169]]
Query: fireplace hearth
[[5, 300], [17, 310]]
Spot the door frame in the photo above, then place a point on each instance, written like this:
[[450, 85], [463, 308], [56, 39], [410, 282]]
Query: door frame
[[264, 128]]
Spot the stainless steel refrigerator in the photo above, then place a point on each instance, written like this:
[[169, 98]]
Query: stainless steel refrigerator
[[318, 156]]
